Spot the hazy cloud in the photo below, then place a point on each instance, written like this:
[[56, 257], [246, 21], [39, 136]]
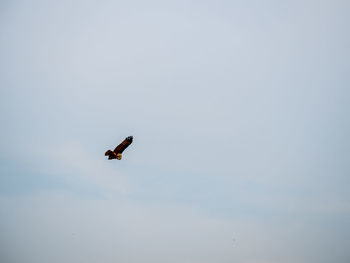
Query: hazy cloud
[[240, 117]]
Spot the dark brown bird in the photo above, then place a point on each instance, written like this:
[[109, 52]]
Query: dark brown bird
[[117, 153]]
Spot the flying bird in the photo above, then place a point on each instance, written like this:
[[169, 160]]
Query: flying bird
[[117, 153]]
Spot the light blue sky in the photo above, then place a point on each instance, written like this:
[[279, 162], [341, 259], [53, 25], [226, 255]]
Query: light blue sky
[[240, 117]]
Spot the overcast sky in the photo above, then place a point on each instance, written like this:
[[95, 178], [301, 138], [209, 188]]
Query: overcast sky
[[240, 117]]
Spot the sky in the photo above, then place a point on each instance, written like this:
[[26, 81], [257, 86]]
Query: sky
[[240, 117]]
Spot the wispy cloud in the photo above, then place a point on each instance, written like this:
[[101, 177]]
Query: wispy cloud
[[72, 160]]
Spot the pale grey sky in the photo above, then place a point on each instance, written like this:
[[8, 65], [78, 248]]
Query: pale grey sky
[[240, 117]]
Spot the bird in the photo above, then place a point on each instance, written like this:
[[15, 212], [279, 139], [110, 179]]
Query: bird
[[117, 153]]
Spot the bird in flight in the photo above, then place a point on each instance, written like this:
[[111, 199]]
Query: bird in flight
[[117, 153]]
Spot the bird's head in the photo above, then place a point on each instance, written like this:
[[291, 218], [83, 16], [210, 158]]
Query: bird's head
[[119, 156]]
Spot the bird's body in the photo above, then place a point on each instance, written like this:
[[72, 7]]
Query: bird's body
[[117, 153]]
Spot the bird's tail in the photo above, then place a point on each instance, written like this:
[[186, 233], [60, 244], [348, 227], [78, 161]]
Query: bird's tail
[[110, 154]]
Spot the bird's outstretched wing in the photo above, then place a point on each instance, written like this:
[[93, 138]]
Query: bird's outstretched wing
[[121, 147]]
